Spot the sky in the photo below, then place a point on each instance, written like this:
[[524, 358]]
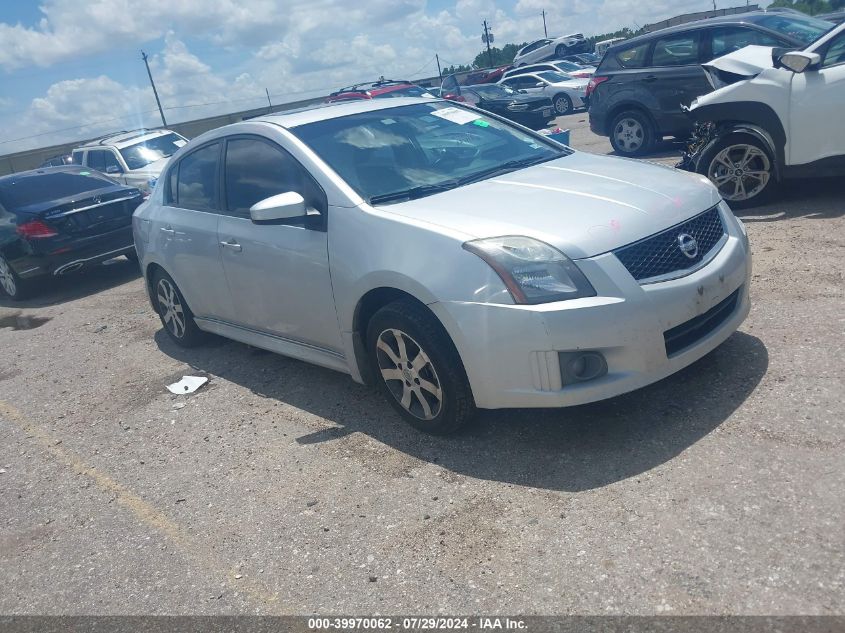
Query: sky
[[72, 69]]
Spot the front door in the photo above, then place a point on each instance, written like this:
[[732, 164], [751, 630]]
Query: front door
[[278, 274], [817, 102]]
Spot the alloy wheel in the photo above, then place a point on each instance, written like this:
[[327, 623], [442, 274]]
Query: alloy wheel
[[629, 134], [740, 172], [172, 312], [7, 278], [562, 105], [409, 374]]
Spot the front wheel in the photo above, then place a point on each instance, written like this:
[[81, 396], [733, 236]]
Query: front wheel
[[562, 104], [418, 369], [631, 133], [742, 168]]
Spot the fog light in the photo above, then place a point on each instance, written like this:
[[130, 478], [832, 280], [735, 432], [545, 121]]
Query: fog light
[[581, 366]]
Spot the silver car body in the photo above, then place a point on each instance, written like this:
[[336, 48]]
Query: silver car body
[[536, 84], [299, 292], [543, 49]]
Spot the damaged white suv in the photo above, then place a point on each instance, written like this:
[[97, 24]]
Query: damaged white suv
[[775, 114]]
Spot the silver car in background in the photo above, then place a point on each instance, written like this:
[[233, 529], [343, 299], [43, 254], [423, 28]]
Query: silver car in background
[[565, 92], [449, 257]]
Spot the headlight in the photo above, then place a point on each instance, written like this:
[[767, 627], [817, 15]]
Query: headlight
[[517, 106], [532, 271]]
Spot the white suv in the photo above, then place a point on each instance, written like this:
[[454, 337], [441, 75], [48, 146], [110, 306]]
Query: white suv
[[774, 115], [134, 158]]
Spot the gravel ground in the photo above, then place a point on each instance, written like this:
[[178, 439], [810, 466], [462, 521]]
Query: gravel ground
[[281, 487]]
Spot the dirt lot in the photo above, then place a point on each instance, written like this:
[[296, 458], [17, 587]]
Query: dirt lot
[[284, 488]]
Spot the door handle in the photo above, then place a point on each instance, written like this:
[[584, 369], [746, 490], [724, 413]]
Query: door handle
[[168, 230], [232, 244], [650, 78]]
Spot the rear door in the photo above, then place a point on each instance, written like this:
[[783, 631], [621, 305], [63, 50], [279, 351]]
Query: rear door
[[817, 102], [278, 274], [185, 231], [675, 78]]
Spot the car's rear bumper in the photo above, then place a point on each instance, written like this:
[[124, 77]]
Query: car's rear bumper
[[70, 257], [512, 353]]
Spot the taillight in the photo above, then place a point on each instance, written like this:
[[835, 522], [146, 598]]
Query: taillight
[[35, 229], [594, 82], [454, 97], [581, 75]]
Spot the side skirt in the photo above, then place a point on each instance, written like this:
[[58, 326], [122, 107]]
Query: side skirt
[[278, 344]]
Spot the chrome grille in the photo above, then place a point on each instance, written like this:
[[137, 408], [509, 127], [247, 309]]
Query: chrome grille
[[660, 255]]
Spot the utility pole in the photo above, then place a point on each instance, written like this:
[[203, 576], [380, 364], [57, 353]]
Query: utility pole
[[268, 101], [155, 92], [487, 38], [439, 72], [545, 32]]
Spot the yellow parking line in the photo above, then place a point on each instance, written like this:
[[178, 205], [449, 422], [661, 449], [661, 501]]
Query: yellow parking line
[[143, 511]]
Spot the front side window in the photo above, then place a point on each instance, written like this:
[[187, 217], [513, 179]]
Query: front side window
[[196, 183], [112, 165], [835, 52], [728, 39], [97, 160], [142, 154], [417, 150], [633, 57], [257, 169], [554, 77], [678, 50]]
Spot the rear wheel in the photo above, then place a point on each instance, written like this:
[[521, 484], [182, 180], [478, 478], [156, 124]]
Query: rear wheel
[[742, 168], [562, 104], [631, 133], [175, 315], [10, 284], [418, 369]]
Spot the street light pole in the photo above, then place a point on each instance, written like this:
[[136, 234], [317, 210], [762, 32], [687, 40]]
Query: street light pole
[[155, 92], [545, 32], [487, 39]]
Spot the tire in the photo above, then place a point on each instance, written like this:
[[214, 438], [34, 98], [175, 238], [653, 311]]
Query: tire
[[562, 104], [132, 256], [737, 151], [632, 133], [433, 393], [10, 284], [170, 304]]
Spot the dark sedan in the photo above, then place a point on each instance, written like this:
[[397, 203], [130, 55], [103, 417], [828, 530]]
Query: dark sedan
[[58, 220], [528, 110]]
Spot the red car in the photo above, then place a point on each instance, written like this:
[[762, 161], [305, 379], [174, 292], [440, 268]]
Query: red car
[[490, 76], [378, 90]]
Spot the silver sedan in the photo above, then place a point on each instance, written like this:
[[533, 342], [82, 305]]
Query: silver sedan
[[452, 259]]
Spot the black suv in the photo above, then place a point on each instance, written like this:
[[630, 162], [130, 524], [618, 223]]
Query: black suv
[[636, 93]]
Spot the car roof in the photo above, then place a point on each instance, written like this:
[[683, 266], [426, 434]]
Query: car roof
[[326, 111], [750, 17], [71, 169], [124, 138]]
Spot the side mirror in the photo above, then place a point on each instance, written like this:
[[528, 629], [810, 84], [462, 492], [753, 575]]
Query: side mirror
[[277, 209], [113, 169], [799, 61], [539, 84]]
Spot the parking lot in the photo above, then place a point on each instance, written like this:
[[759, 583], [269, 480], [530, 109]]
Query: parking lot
[[283, 488]]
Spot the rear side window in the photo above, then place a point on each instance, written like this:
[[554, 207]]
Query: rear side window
[[257, 169], [633, 57], [97, 160], [676, 50], [76, 158], [196, 183], [728, 39]]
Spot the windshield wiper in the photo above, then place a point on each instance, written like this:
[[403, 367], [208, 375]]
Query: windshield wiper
[[504, 168], [413, 193]]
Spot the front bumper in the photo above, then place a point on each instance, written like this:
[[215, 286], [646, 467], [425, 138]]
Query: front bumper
[[510, 352]]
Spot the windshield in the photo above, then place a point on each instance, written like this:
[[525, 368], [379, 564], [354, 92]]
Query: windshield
[[417, 150], [550, 75], [568, 66], [17, 193], [802, 28], [149, 151], [494, 91]]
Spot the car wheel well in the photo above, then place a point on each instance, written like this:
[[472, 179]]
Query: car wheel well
[[150, 273], [619, 109], [373, 301]]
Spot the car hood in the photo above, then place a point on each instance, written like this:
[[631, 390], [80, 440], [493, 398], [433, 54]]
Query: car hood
[[745, 63], [150, 171], [582, 204]]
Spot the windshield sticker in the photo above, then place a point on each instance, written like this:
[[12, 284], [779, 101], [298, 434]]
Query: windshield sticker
[[481, 123], [180, 143], [85, 173], [388, 121], [455, 115]]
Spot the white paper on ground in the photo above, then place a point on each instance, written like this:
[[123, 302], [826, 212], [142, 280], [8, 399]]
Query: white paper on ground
[[188, 384], [456, 116]]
